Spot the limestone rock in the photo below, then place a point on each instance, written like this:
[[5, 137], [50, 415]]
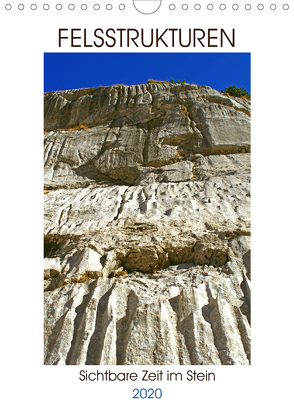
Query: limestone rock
[[110, 132], [147, 226], [182, 315]]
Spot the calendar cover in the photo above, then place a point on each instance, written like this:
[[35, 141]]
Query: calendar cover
[[157, 196]]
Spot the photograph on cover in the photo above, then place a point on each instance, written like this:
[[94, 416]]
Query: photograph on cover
[[147, 208]]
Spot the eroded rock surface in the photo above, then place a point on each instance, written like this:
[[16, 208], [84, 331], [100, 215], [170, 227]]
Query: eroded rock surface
[[147, 226]]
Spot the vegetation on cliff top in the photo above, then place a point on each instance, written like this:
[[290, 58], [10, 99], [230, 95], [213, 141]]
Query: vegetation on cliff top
[[234, 91], [171, 81]]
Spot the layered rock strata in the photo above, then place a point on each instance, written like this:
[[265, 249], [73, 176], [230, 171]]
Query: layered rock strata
[[147, 226]]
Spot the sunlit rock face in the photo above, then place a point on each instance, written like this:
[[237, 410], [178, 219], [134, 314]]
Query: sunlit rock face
[[147, 226]]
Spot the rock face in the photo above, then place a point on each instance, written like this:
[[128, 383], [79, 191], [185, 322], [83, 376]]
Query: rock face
[[147, 226]]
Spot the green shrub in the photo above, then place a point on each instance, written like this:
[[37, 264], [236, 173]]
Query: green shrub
[[172, 81], [234, 91]]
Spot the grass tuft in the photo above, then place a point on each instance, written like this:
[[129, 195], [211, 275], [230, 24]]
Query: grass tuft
[[158, 82]]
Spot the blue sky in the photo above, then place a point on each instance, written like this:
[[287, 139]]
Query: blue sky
[[65, 71]]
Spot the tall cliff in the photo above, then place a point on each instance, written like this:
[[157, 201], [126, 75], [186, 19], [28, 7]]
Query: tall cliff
[[147, 226]]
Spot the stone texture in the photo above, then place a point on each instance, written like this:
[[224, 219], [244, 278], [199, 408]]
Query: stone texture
[[114, 132], [147, 226], [184, 314]]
